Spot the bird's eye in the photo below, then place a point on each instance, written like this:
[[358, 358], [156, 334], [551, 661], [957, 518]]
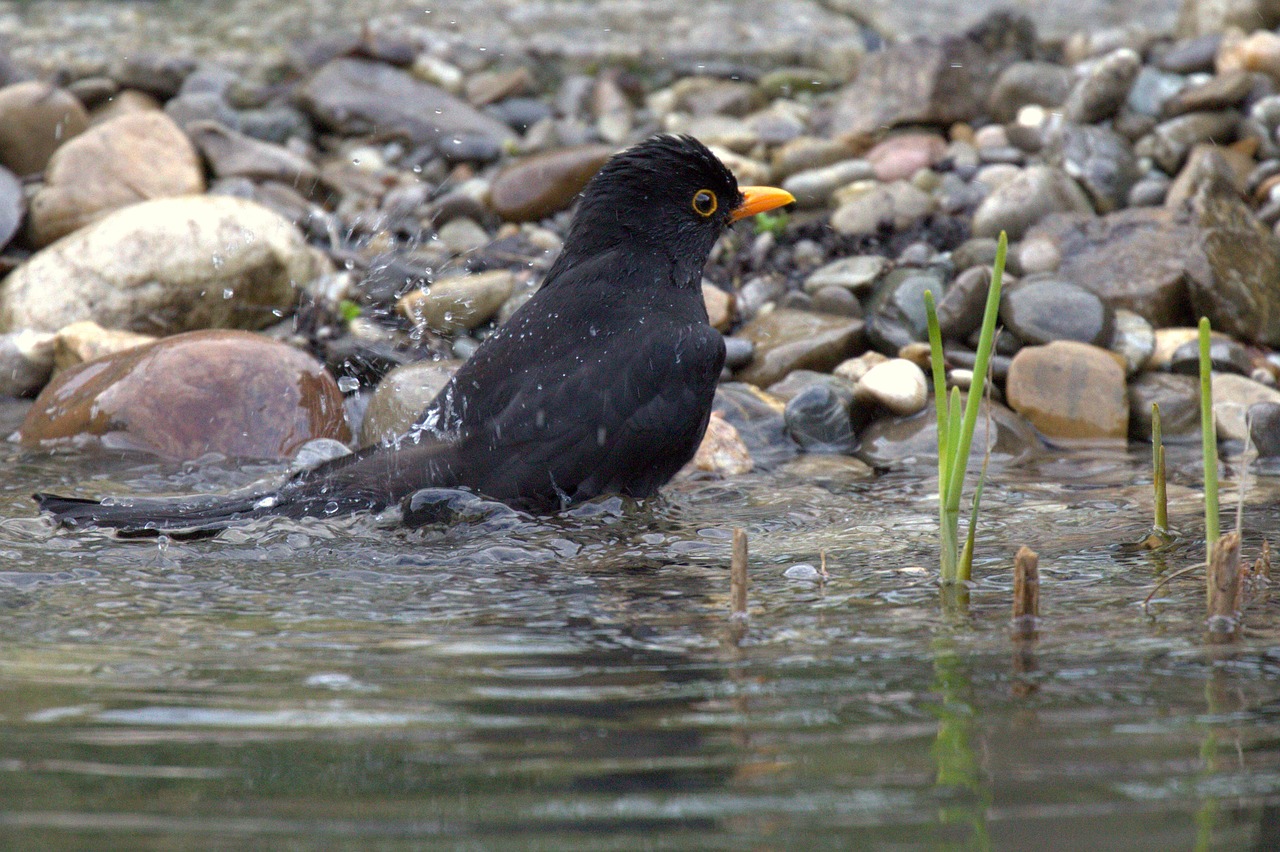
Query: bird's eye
[[704, 202]]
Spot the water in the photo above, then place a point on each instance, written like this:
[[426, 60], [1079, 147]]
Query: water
[[574, 683]]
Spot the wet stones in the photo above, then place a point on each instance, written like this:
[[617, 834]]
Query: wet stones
[[135, 157], [35, 119], [1070, 391], [458, 304], [545, 183], [354, 96], [787, 340], [164, 266], [1031, 195], [1042, 311], [228, 392], [401, 397]]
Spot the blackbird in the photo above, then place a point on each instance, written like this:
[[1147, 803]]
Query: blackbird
[[601, 383]]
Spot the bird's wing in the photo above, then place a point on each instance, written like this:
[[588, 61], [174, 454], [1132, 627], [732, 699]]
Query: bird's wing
[[623, 419]]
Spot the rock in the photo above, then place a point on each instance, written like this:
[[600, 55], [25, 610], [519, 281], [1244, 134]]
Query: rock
[[1205, 20], [712, 96], [833, 472], [1258, 51], [543, 184], [233, 154], [86, 341], [838, 301], [1099, 159], [722, 449], [154, 73], [746, 171], [1103, 88], [462, 236], [897, 385], [787, 340], [1170, 141], [229, 392], [903, 154], [136, 157], [1140, 260], [358, 96], [720, 306], [492, 86], [1225, 356], [13, 205], [758, 419], [1149, 93], [1217, 93], [1242, 298], [1044, 84], [738, 352], [854, 369], [1134, 340], [894, 441], [1226, 168], [1046, 310], [930, 82], [1070, 391], [1264, 428], [865, 207], [961, 308], [26, 362], [458, 304], [856, 274], [818, 420], [1169, 340], [35, 119], [814, 187], [1232, 398], [809, 153], [1179, 401], [798, 381], [401, 397], [896, 310], [164, 266], [1032, 195]]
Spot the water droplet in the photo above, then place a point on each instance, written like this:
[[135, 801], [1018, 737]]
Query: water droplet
[[228, 293], [347, 384], [330, 508]]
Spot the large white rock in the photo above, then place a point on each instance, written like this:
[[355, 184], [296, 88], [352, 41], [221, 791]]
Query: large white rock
[[165, 266]]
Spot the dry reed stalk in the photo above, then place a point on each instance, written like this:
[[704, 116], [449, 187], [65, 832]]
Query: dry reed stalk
[[1026, 593], [738, 575], [1225, 589]]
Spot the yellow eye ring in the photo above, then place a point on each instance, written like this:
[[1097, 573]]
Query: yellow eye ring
[[705, 202]]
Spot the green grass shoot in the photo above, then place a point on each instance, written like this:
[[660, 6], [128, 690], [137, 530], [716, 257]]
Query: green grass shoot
[[955, 430], [1208, 444]]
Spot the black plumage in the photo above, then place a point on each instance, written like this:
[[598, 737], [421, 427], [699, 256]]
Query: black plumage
[[601, 383]]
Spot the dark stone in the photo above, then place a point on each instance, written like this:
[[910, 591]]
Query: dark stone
[[901, 440], [818, 420], [1225, 356], [1100, 159], [1264, 428], [896, 309], [759, 423], [357, 96], [1179, 401], [13, 205], [1045, 310], [960, 309], [738, 352]]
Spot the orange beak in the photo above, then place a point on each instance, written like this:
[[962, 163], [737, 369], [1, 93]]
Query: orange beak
[[758, 199]]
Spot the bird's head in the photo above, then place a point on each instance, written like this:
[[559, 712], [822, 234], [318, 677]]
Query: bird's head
[[667, 196]]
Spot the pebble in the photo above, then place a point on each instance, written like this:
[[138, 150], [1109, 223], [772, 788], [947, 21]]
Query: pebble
[[814, 187], [787, 340], [543, 184], [458, 304], [1103, 87], [1034, 193], [12, 206], [897, 384], [1050, 309], [856, 274], [722, 450], [182, 397], [1070, 391], [818, 420], [401, 396]]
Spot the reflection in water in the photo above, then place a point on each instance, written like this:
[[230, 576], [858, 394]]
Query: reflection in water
[[569, 683]]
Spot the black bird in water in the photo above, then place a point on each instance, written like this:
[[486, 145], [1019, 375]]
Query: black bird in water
[[601, 383]]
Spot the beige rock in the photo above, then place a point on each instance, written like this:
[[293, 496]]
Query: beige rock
[[1232, 396], [722, 449], [135, 157], [164, 266], [230, 392], [35, 119], [128, 102], [457, 304], [1169, 339], [85, 341], [855, 368], [1070, 391], [1259, 51], [720, 306], [401, 397], [897, 384]]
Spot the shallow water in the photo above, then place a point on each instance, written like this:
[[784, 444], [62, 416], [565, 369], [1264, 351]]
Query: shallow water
[[574, 683]]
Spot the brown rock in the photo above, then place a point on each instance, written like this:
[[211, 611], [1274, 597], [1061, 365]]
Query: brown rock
[[227, 392], [789, 340], [722, 449], [136, 157], [128, 102], [547, 183], [720, 306], [457, 304], [493, 86], [1070, 391], [36, 118], [1258, 51]]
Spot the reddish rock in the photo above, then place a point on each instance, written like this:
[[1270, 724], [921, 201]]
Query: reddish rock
[[901, 156], [545, 183], [229, 392]]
